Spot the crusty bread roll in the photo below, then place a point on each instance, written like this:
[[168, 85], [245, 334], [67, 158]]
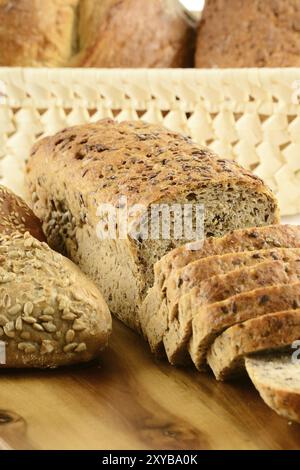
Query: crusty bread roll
[[255, 33], [95, 33], [50, 313]]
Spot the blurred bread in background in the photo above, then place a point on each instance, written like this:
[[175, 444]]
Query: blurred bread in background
[[37, 33], [95, 33], [255, 33]]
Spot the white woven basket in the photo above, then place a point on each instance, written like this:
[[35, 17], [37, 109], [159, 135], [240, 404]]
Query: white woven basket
[[249, 115]]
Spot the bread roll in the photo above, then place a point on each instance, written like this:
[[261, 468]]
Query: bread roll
[[50, 314]]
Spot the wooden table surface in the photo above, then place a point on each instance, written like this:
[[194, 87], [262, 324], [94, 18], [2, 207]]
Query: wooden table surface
[[131, 401]]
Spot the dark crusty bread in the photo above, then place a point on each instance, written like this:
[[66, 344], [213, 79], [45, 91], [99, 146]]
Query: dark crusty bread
[[269, 332], [243, 33], [277, 378], [153, 316], [147, 164], [95, 33], [50, 313]]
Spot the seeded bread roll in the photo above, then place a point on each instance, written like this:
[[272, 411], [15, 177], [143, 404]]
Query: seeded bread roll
[[277, 378], [147, 164], [95, 33], [154, 312], [279, 330], [15, 215], [50, 313], [243, 33]]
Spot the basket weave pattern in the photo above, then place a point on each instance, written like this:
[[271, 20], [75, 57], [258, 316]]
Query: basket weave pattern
[[250, 115]]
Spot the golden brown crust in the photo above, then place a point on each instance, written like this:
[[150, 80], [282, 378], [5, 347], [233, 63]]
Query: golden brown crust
[[243, 33], [15, 215], [37, 33], [144, 162]]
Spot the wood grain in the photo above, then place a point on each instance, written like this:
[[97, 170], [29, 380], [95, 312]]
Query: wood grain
[[131, 401]]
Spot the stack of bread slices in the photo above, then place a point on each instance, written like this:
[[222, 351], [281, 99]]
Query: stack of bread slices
[[231, 298]]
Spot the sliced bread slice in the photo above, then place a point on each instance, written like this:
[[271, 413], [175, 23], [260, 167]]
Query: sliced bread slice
[[248, 239], [277, 379], [157, 305], [213, 319], [181, 281], [261, 238], [269, 332], [219, 288]]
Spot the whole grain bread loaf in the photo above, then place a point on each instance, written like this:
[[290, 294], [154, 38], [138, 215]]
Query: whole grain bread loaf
[[277, 378], [50, 313], [95, 33], [243, 33], [154, 312], [274, 331], [148, 165]]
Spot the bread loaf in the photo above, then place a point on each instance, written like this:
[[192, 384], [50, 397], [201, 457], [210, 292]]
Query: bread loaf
[[95, 33], [147, 164], [270, 332], [50, 313], [277, 378], [243, 33]]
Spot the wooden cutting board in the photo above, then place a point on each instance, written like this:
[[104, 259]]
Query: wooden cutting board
[[129, 400]]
